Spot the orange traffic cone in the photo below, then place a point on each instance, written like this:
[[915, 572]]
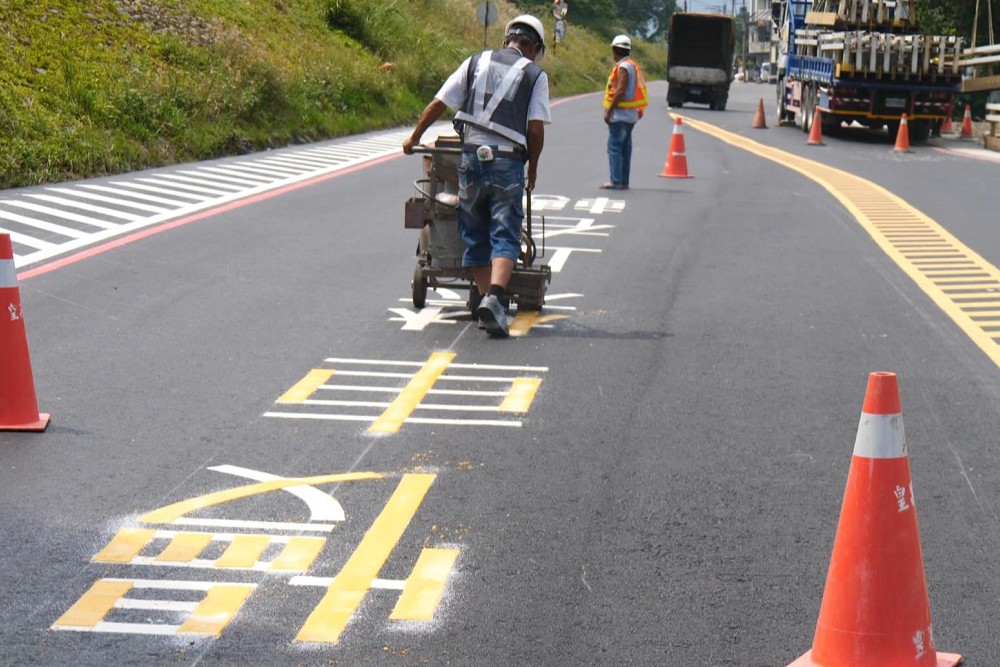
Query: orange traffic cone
[[677, 164], [875, 611], [902, 137], [966, 132], [18, 407], [946, 125], [758, 118], [816, 131]]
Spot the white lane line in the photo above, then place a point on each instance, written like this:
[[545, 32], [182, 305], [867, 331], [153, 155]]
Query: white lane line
[[220, 188], [420, 406], [66, 215], [41, 224], [109, 200], [309, 580], [253, 525], [322, 506], [264, 169], [311, 162], [285, 165], [136, 195], [262, 174], [395, 390], [156, 605], [179, 187], [227, 176], [173, 192], [23, 239], [408, 420], [121, 215], [390, 362]]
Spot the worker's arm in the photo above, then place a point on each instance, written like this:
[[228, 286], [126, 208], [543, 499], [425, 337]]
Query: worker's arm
[[621, 85], [536, 140], [429, 116]]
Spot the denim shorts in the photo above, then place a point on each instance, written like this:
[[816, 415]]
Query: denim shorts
[[491, 211]]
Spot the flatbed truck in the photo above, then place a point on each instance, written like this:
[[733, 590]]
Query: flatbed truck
[[862, 61]]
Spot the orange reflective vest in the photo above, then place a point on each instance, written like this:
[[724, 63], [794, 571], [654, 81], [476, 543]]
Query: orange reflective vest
[[638, 99]]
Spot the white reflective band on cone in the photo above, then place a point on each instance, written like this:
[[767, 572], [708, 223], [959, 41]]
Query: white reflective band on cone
[[880, 437], [8, 273]]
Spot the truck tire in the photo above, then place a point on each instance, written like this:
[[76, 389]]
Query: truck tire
[[720, 101], [920, 130], [781, 112], [808, 107]]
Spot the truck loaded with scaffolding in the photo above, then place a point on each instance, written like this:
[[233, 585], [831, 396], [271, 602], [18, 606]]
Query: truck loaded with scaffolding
[[864, 61]]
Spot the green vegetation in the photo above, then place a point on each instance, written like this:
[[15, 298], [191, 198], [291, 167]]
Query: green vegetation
[[109, 86]]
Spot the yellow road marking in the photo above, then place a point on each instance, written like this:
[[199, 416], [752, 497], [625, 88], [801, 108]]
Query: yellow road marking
[[391, 420], [215, 611], [345, 594], [883, 214], [124, 546], [298, 554], [169, 513], [93, 605], [424, 587], [185, 547], [244, 551], [522, 393], [307, 386], [523, 321]]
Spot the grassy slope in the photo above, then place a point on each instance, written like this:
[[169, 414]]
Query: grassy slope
[[87, 88]]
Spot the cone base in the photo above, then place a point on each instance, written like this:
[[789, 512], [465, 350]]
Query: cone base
[[38, 425], [943, 660], [675, 176]]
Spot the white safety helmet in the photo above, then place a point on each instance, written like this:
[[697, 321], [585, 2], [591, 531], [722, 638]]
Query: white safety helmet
[[622, 42], [534, 30]]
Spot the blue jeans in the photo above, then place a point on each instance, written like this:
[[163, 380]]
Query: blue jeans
[[490, 210], [620, 151]]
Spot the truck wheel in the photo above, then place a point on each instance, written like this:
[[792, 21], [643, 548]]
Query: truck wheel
[[720, 102], [808, 108], [920, 130], [781, 113]]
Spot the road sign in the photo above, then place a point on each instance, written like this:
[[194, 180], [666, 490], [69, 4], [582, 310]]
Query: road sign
[[487, 14]]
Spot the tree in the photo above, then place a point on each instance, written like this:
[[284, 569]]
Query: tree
[[646, 18]]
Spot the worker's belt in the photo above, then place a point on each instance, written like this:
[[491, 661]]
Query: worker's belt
[[488, 153]]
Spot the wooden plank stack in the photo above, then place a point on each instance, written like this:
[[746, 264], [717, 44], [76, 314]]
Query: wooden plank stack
[[877, 38]]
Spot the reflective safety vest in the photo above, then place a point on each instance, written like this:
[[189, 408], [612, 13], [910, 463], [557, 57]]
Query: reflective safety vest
[[635, 96], [499, 94]]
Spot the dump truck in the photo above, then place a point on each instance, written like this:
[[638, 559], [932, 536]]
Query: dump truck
[[863, 61], [700, 59]]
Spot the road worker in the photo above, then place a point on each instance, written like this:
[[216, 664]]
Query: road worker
[[625, 98], [501, 100]]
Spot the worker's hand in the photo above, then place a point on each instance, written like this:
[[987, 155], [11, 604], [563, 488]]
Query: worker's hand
[[529, 183], [408, 146], [607, 116]]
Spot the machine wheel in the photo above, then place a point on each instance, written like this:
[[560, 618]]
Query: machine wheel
[[475, 298], [720, 102], [419, 286], [528, 305]]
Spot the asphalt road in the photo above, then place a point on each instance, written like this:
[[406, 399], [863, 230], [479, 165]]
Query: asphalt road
[[663, 488]]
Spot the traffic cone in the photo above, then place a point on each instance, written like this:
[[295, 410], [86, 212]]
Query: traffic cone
[[903, 137], [816, 131], [677, 164], [875, 611], [966, 132], [947, 127], [758, 118], [18, 407]]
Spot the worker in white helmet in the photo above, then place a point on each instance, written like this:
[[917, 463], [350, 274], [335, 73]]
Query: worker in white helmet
[[501, 100], [625, 98]]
